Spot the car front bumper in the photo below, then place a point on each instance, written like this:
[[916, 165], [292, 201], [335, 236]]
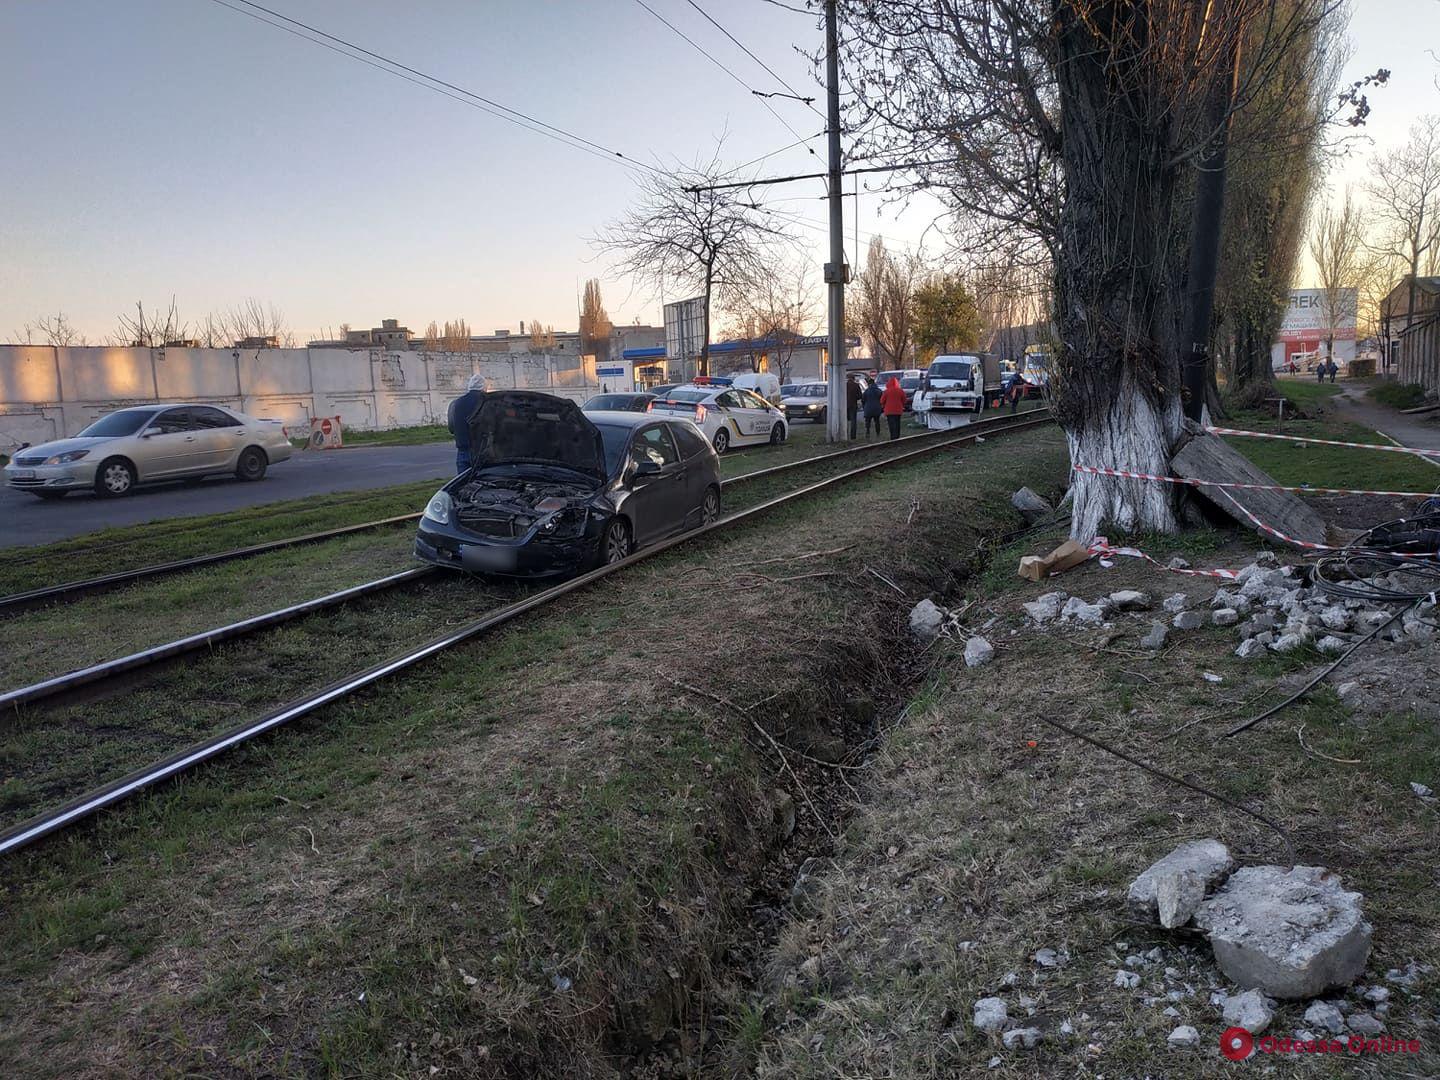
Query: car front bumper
[[76, 476], [459, 549]]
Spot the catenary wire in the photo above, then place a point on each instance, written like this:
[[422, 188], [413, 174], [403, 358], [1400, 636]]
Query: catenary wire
[[430, 82], [808, 102]]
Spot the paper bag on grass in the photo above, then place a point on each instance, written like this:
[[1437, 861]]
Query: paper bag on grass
[[1038, 567]]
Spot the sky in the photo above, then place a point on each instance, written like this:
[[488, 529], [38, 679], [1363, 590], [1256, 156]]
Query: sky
[[176, 147]]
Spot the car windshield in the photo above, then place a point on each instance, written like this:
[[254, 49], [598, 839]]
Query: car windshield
[[885, 376], [910, 383], [615, 437], [950, 369], [603, 402], [691, 396], [124, 422], [810, 390]]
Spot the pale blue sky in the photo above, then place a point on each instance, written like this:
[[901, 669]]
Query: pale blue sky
[[173, 146]]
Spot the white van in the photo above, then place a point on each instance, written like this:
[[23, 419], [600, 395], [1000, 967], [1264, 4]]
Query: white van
[[762, 383]]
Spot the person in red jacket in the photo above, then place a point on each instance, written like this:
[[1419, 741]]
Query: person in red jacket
[[892, 404]]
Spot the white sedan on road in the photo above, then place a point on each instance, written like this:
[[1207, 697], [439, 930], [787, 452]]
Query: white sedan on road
[[728, 415], [149, 444]]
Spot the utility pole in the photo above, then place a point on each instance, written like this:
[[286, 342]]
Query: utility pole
[[836, 271]]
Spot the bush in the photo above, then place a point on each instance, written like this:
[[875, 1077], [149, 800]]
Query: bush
[[1398, 395]]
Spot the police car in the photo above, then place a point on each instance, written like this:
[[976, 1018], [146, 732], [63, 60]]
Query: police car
[[728, 415]]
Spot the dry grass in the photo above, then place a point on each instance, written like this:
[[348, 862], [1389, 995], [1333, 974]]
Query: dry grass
[[988, 835], [526, 858]]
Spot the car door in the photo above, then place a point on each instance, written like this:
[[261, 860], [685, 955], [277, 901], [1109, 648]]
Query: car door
[[219, 438], [756, 411], [695, 452], [737, 416], [657, 501], [168, 445]]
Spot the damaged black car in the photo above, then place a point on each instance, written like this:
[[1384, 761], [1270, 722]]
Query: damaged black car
[[554, 490]]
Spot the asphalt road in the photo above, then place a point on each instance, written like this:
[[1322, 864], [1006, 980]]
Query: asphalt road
[[1419, 430], [25, 519]]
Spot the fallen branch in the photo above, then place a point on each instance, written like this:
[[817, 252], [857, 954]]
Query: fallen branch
[[886, 580], [1300, 737]]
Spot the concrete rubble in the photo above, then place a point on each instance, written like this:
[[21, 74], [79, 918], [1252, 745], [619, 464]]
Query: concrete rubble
[[1251, 1010], [1291, 933], [990, 1014], [978, 651], [1031, 506], [926, 619], [1208, 861]]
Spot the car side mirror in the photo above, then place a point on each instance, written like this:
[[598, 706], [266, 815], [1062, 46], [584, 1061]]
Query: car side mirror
[[149, 432], [646, 468]]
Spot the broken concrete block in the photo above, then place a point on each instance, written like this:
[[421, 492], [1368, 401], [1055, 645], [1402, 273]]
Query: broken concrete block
[[1177, 563], [1177, 894], [1223, 598], [1046, 607], [1127, 980], [1031, 506], [1225, 616], [1155, 639], [1335, 618], [1291, 933], [1081, 612], [1250, 648], [1184, 1036], [1251, 1010], [1176, 603], [1287, 643], [1207, 859], [1364, 1023], [1028, 1038], [1420, 789], [1188, 620], [1326, 1017], [990, 1014], [1130, 600], [978, 651], [926, 620], [1330, 644]]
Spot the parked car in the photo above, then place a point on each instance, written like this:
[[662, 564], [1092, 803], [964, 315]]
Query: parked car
[[662, 389], [553, 489], [909, 382], [149, 444], [618, 403], [728, 415], [806, 401]]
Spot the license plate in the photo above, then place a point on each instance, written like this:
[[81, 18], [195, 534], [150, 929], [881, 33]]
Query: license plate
[[23, 474], [487, 559]]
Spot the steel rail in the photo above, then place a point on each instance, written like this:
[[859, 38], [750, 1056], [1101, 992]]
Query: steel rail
[[73, 680], [85, 805], [31, 598], [63, 685], [27, 832]]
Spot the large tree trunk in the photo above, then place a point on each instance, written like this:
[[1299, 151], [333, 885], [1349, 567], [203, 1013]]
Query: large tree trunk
[[1118, 286]]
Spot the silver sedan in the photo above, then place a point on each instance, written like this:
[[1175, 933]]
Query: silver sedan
[[148, 444]]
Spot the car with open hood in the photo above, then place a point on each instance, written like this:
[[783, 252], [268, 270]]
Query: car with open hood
[[150, 444], [553, 489]]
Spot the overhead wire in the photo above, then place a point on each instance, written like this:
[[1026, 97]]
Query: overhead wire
[[808, 102], [380, 62]]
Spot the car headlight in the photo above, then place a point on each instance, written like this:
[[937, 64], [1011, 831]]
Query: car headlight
[[815, 405], [567, 524], [67, 457], [438, 508]]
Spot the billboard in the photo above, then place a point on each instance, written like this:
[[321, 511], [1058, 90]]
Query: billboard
[[684, 329], [1311, 317]]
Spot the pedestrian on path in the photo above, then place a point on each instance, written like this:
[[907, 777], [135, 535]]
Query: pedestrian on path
[[852, 402], [871, 401], [892, 404], [458, 418]]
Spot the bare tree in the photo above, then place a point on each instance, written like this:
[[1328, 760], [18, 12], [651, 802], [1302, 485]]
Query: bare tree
[[541, 336], [773, 315], [1337, 246], [54, 329], [595, 325], [150, 329], [254, 320], [879, 304], [1082, 123], [685, 235], [1404, 192]]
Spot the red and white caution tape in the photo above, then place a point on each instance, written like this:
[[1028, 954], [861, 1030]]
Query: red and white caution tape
[[1415, 450], [1128, 475], [1100, 546]]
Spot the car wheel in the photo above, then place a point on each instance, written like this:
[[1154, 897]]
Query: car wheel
[[710, 508], [721, 442], [49, 496], [777, 434], [252, 464], [615, 545], [114, 478]]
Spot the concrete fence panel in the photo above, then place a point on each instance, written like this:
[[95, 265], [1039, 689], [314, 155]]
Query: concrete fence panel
[[29, 375], [198, 375]]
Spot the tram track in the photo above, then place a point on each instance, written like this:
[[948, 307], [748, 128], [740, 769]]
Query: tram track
[[111, 793]]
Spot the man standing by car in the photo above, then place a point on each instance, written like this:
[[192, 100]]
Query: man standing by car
[[871, 401], [852, 401], [461, 409], [892, 404]]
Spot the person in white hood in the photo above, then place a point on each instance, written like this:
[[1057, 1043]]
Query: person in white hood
[[461, 409]]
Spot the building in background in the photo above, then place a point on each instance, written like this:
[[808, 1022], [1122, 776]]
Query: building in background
[[1313, 318], [1409, 340]]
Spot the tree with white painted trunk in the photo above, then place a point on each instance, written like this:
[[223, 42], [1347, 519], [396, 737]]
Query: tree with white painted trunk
[[1082, 123]]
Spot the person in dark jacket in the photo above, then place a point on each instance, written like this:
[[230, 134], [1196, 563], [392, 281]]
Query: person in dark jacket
[[870, 399], [892, 404], [852, 402], [458, 418]]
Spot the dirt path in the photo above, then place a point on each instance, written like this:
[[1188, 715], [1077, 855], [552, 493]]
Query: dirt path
[[1353, 405]]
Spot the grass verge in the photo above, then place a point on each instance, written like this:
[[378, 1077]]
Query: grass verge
[[1397, 395], [527, 857]]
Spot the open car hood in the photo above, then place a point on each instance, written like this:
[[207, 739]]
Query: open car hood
[[517, 427]]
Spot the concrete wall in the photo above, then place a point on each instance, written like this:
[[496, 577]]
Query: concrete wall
[[49, 393]]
